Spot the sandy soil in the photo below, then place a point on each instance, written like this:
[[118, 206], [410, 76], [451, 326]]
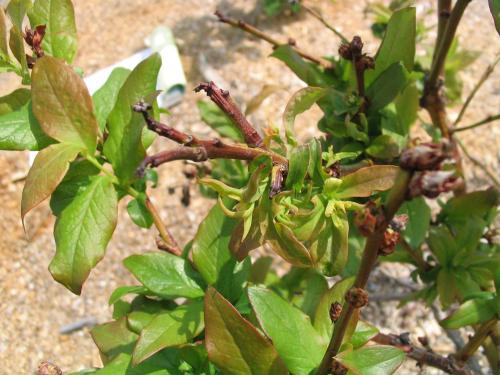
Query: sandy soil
[[34, 308]]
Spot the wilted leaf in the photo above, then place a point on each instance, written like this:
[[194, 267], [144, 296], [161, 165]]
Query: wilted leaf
[[214, 117], [105, 98], [60, 38], [471, 312], [62, 104], [398, 43], [300, 102], [123, 146], [168, 329], [165, 274], [47, 172], [233, 344], [365, 181], [19, 130], [82, 233], [293, 336], [372, 360], [386, 87]]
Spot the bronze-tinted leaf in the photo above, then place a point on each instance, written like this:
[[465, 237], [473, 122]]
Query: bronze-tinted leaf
[[234, 344], [365, 181], [62, 104], [47, 172]]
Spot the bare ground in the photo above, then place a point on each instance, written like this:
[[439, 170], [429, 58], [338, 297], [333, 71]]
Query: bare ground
[[33, 307]]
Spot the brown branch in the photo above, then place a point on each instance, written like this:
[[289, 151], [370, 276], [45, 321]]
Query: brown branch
[[444, 10], [196, 149], [226, 104], [373, 244], [422, 356], [242, 25]]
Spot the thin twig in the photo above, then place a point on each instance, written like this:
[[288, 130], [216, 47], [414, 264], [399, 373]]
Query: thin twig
[[415, 254], [489, 70], [320, 18], [242, 25], [487, 120], [162, 229], [422, 356], [478, 163]]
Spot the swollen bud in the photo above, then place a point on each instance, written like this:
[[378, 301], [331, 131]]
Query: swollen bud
[[425, 156], [431, 184]]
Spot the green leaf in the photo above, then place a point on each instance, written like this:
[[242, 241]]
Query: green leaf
[[298, 167], [307, 72], [322, 322], [384, 147], [471, 312], [398, 43], [82, 233], [407, 106], [477, 203], [105, 98], [62, 104], [442, 244], [77, 179], [213, 116], [16, 44], [123, 146], [169, 329], [47, 172], [113, 338], [139, 212], [416, 229], [495, 12], [446, 287], [4, 43], [166, 275], [19, 130], [121, 291], [164, 363], [365, 181], [293, 336], [372, 360], [17, 10], [363, 333], [387, 86], [211, 245], [300, 102], [15, 100], [233, 343], [60, 38]]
